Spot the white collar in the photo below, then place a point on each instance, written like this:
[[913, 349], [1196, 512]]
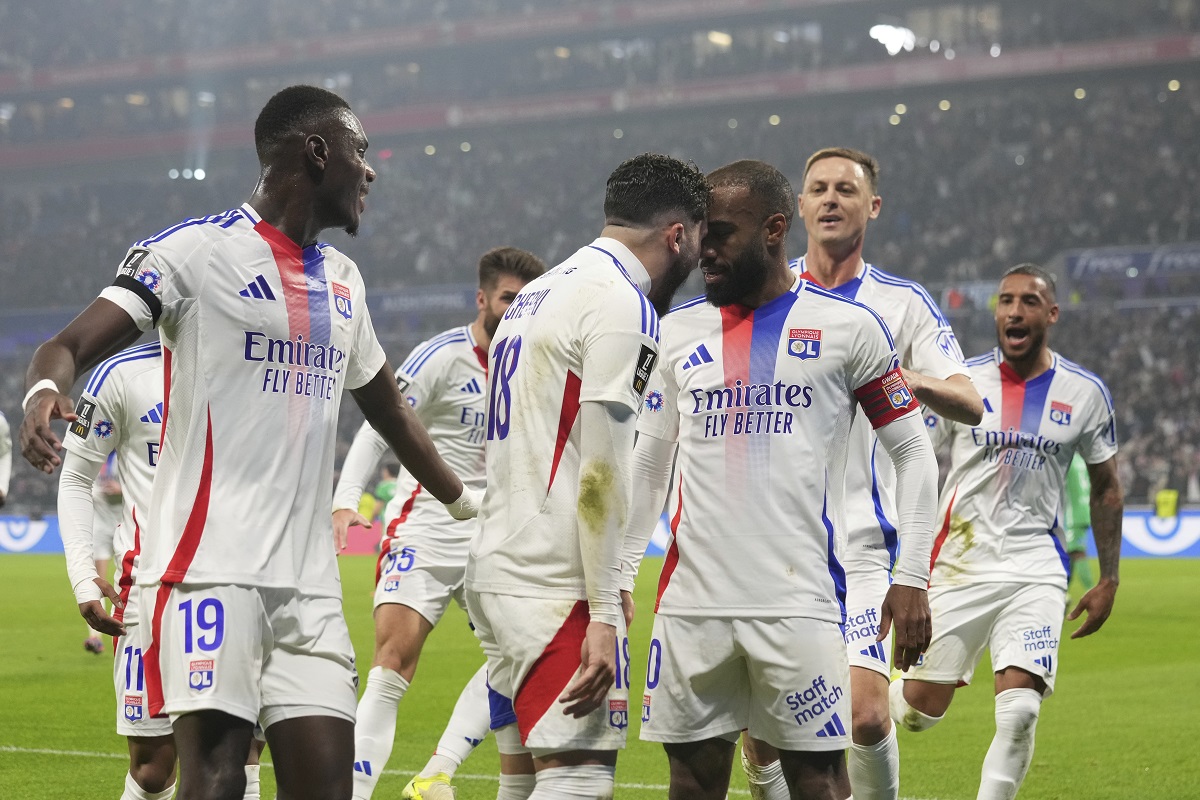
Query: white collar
[[626, 260]]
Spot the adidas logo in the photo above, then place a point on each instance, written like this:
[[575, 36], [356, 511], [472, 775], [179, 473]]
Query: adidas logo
[[365, 766], [876, 652], [472, 387], [832, 728], [154, 415], [1045, 661], [699, 356], [259, 289]]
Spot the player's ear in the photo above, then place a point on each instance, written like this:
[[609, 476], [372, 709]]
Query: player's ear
[[316, 150], [876, 205], [480, 299], [1052, 317], [674, 235], [776, 227]]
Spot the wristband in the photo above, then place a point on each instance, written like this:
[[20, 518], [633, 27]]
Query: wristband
[[44, 383]]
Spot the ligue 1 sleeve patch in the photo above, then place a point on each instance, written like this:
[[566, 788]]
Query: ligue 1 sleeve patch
[[644, 369], [341, 299], [84, 410], [804, 343], [886, 398], [142, 279]]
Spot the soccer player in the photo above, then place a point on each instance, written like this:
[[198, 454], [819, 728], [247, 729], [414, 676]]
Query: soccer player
[[5, 459], [107, 505], [1077, 520], [262, 327], [999, 569], [423, 558], [568, 366], [838, 199], [756, 392]]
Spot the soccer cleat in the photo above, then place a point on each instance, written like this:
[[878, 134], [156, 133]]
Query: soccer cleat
[[436, 788], [94, 644]]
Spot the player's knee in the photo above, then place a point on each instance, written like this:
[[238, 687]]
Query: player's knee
[[1017, 711], [153, 777], [871, 723], [906, 716]]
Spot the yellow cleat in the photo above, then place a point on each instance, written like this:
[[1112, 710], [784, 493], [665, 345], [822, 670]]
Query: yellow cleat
[[436, 788]]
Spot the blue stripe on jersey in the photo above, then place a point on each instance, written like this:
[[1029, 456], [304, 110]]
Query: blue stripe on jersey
[[891, 280], [836, 571], [649, 315], [695, 301], [187, 223], [320, 326], [1062, 553], [809, 286], [1075, 369], [849, 289], [890, 539], [765, 337], [1035, 401], [150, 350], [418, 357], [234, 217], [982, 360]]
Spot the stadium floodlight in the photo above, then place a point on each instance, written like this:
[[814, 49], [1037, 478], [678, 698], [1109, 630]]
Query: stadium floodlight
[[720, 39], [1173, 85], [198, 174], [430, 149], [205, 99], [732, 124], [137, 99], [1080, 93], [173, 174], [901, 108], [773, 119], [894, 119], [995, 51], [66, 102], [894, 38], [944, 105], [562, 52], [465, 147], [618, 133], [187, 174]]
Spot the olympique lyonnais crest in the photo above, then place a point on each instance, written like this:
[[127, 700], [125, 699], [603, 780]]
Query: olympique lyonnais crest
[[1060, 413], [897, 391], [804, 343], [391, 585], [200, 675], [133, 707], [618, 714], [341, 300]]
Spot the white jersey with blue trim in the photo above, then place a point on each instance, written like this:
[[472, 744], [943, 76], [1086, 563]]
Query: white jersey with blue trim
[[926, 344], [582, 332], [1000, 510], [259, 337], [760, 402], [120, 411]]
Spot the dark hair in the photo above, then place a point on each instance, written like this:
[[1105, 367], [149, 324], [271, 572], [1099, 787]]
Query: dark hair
[[646, 186], [508, 261], [290, 112], [1033, 270], [868, 163], [767, 185]]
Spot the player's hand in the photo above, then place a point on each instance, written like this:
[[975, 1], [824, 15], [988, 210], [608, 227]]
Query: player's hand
[[597, 671], [915, 380], [627, 607], [343, 518], [467, 505], [908, 608], [39, 444], [1098, 603], [93, 610]]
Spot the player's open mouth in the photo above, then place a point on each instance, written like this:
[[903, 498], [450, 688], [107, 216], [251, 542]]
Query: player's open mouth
[[1015, 337], [829, 219], [712, 273]]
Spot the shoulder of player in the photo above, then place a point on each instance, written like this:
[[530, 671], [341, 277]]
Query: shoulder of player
[[437, 350], [842, 308], [185, 237], [918, 300], [123, 366], [1087, 380], [340, 266]]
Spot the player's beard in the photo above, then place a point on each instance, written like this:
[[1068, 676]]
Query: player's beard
[[490, 323], [745, 276], [664, 288]]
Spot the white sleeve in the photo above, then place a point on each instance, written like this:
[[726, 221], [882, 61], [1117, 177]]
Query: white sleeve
[[153, 283], [916, 496], [5, 456], [619, 348], [934, 349], [75, 514], [605, 453], [362, 458], [652, 459]]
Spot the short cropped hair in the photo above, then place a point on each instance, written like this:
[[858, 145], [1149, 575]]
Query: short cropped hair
[[867, 162], [292, 111], [1035, 271], [508, 261], [766, 185], [649, 185]]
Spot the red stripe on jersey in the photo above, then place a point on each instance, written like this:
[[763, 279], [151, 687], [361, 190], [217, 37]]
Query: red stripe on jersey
[[1012, 398], [737, 329], [154, 689], [808, 276], [481, 354], [566, 421], [126, 581], [672, 552], [290, 262], [942, 534], [391, 531], [162, 431], [886, 399], [552, 671], [189, 542]]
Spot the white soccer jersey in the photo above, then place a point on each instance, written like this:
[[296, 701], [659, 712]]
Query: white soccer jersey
[[1000, 507], [760, 402], [120, 410], [445, 381], [5, 455], [582, 332], [259, 338], [926, 344]]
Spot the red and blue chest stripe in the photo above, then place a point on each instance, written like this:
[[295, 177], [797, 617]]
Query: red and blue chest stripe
[[1022, 402]]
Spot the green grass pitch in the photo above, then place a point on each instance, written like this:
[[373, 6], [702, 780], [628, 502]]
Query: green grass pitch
[[1122, 723]]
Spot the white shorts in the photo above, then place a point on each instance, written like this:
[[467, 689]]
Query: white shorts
[[257, 653], [129, 680], [1020, 623], [532, 647], [786, 681], [865, 591], [422, 573]]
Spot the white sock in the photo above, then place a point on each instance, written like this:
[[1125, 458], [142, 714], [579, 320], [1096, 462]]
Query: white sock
[[515, 787], [375, 730], [766, 783], [251, 782], [905, 715], [1008, 758], [468, 725], [875, 769], [135, 792], [585, 782]]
